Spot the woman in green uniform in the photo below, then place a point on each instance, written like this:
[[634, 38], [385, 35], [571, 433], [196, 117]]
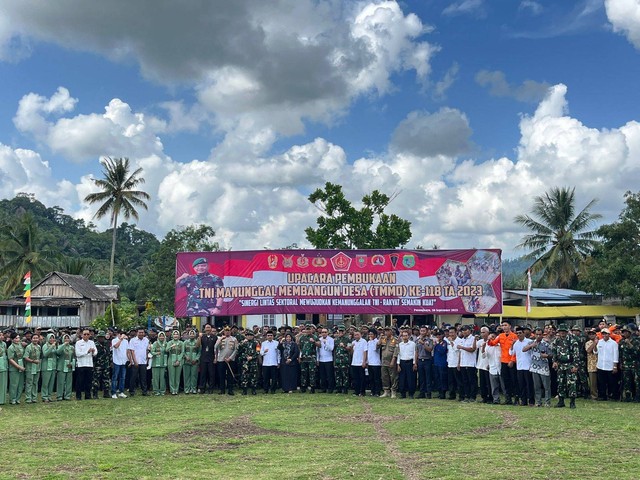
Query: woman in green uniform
[[175, 351], [32, 355], [15, 354], [191, 361], [159, 364], [66, 365], [48, 367], [4, 368]]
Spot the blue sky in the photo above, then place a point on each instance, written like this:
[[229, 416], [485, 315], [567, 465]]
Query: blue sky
[[235, 111]]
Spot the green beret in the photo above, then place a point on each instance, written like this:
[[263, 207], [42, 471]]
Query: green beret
[[101, 333], [341, 327], [249, 332], [563, 328], [198, 261]]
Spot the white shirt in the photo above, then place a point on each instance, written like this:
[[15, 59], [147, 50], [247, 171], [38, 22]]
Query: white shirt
[[373, 354], [359, 347], [453, 354], [607, 354], [325, 350], [85, 359], [467, 359], [139, 348], [523, 359], [119, 353], [407, 351], [493, 355], [482, 363], [270, 357]]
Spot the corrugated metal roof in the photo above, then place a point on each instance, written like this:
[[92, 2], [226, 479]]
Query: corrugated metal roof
[[579, 311]]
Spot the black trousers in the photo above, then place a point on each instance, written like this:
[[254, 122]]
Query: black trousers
[[357, 378], [207, 376], [469, 382], [525, 387], [453, 380], [138, 376], [327, 377], [607, 387], [407, 378], [425, 374], [375, 379], [269, 378], [226, 371], [510, 380], [84, 379], [485, 386]]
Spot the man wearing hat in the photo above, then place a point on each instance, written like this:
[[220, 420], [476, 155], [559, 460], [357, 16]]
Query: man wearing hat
[[565, 354], [627, 364], [308, 342], [196, 305], [248, 353], [225, 352], [608, 358], [341, 360], [102, 367], [583, 379]]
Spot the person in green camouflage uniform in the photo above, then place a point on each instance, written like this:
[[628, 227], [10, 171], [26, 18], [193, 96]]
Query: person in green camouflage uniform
[[48, 367], [4, 368], [197, 306], [341, 360], [635, 340], [190, 365], [248, 358], [32, 357], [15, 357], [101, 367], [308, 342], [582, 379], [628, 360], [66, 364], [175, 352], [565, 352]]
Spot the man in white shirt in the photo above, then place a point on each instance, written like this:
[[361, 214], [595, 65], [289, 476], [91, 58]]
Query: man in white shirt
[[358, 363], [119, 347], [523, 366], [137, 351], [492, 354], [374, 363], [270, 362], [407, 365], [324, 354], [482, 366], [453, 359], [607, 351], [467, 364], [85, 351]]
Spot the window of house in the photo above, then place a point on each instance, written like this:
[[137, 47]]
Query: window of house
[[268, 320]]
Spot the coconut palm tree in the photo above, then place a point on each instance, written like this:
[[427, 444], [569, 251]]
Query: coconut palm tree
[[559, 241], [117, 196]]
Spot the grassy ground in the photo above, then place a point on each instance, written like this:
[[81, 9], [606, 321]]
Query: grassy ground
[[319, 436]]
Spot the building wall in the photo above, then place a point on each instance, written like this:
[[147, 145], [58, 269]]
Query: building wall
[[54, 287]]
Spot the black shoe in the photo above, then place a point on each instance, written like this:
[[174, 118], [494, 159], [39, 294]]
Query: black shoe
[[411, 396], [303, 389], [442, 396], [422, 395], [221, 392], [244, 391], [508, 401], [572, 403], [313, 390], [346, 391], [328, 391], [560, 403], [253, 391], [404, 395], [428, 395], [496, 402], [145, 394], [266, 392], [230, 392]]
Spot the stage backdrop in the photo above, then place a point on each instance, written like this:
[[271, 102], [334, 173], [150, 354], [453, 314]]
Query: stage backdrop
[[339, 281]]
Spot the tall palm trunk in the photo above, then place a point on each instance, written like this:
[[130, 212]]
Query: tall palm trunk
[[113, 247]]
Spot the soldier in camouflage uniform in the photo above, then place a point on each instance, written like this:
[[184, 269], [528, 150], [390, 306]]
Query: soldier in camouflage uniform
[[101, 367], [248, 353], [566, 353], [341, 360], [582, 386], [308, 342], [635, 340], [197, 306], [628, 360]]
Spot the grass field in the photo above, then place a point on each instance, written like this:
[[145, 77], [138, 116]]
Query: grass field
[[321, 436]]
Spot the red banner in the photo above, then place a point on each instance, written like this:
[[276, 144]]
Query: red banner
[[338, 281]]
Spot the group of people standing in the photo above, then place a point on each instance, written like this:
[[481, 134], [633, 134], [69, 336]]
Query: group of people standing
[[527, 366]]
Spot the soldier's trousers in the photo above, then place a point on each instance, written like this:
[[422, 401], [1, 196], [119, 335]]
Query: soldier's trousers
[[158, 380], [4, 376], [64, 385], [48, 383], [342, 376], [566, 383], [174, 378], [31, 386], [583, 381], [249, 374], [101, 380], [628, 384], [389, 378], [16, 386], [190, 376], [307, 374]]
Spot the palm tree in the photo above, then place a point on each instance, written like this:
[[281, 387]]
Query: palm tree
[[117, 196], [559, 243], [21, 251]]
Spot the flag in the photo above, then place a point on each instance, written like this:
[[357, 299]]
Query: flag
[[529, 291], [27, 297]]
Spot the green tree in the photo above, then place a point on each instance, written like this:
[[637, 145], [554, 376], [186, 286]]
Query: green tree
[[76, 266], [125, 316], [117, 196], [158, 282], [614, 266], [559, 242], [22, 250], [343, 226]]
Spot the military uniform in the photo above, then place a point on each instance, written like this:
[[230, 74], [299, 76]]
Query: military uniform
[[197, 306], [15, 352], [341, 362], [66, 364], [49, 364], [582, 379], [190, 365], [175, 351], [226, 347], [248, 353], [566, 355], [4, 368], [101, 368], [159, 365], [388, 356], [32, 355], [307, 344]]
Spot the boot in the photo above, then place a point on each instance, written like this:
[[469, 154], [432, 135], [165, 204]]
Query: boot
[[244, 391], [106, 394], [303, 389], [346, 391], [385, 394], [393, 394], [313, 390], [560, 403], [253, 391], [572, 403], [230, 392]]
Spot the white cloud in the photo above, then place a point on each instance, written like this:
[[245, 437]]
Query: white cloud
[[624, 15], [531, 6], [465, 7], [529, 91]]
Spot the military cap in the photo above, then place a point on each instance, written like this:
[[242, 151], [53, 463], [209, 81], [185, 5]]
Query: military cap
[[101, 333], [575, 327], [198, 261], [632, 328], [465, 327], [388, 328], [341, 327], [527, 327], [562, 328], [592, 330], [249, 333], [519, 329]]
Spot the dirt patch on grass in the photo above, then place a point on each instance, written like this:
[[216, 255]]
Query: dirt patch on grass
[[370, 417]]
